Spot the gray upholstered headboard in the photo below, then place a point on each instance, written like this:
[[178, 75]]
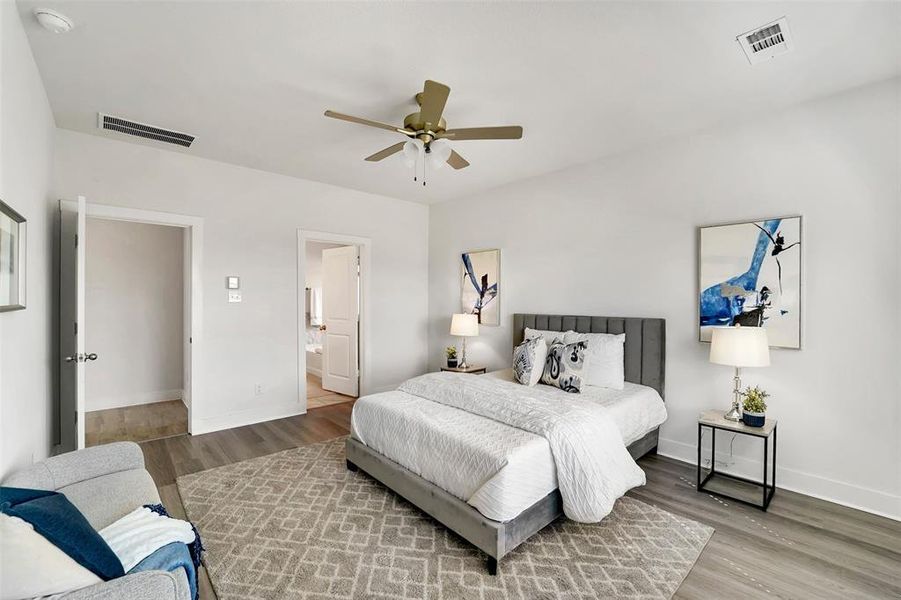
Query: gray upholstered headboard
[[645, 347]]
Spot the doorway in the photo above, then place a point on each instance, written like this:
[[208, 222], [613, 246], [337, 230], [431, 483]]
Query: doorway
[[331, 320], [130, 311], [134, 280]]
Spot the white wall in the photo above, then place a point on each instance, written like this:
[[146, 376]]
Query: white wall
[[618, 237], [251, 220], [134, 286], [28, 426]]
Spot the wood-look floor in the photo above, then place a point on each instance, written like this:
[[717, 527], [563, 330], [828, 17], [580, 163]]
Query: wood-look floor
[[801, 548], [318, 397], [136, 423]]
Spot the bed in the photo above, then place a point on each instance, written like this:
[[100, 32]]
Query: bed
[[504, 486]]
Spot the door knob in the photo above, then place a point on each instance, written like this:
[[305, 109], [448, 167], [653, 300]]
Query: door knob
[[81, 357]]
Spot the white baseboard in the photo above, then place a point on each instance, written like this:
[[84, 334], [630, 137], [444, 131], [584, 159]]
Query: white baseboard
[[314, 371], [240, 418], [850, 495], [119, 401]]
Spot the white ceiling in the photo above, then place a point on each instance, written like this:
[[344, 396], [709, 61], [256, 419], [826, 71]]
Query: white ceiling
[[252, 79]]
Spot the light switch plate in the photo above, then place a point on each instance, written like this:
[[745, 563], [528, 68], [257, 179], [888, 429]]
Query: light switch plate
[[232, 282], [234, 296]]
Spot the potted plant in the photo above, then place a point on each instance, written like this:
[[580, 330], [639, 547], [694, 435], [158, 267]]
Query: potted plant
[[754, 405], [451, 352]]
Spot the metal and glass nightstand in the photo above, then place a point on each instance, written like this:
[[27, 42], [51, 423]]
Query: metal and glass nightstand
[[470, 369], [714, 420]]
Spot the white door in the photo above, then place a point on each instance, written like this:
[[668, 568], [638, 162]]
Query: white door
[[341, 318], [72, 356]]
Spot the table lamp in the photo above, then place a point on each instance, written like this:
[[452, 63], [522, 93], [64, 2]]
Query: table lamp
[[464, 326], [739, 347]]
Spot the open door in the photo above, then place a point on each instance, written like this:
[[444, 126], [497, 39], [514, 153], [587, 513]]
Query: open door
[[341, 318], [72, 356]]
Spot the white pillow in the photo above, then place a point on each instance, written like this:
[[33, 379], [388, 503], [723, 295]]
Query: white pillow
[[528, 361], [605, 358], [31, 566], [549, 336]]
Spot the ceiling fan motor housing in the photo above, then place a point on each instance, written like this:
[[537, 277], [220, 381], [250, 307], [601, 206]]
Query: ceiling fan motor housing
[[414, 122]]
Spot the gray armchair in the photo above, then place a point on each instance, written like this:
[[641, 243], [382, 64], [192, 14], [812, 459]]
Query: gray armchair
[[106, 483]]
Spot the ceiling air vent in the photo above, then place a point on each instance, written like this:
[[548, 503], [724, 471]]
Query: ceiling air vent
[[763, 43], [143, 130]]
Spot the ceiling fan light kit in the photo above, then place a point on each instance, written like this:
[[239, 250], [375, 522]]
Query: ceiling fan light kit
[[428, 134], [411, 152]]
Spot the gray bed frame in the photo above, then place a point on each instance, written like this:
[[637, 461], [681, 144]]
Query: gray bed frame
[[645, 361]]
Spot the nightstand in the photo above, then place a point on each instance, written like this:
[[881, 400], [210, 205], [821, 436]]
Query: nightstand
[[714, 420], [470, 369]]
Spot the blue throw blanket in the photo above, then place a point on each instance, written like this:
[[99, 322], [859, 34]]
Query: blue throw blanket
[[171, 557], [196, 547]]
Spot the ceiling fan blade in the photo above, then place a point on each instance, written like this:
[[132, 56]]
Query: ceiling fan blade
[[510, 132], [457, 161], [382, 154], [370, 123], [434, 97]]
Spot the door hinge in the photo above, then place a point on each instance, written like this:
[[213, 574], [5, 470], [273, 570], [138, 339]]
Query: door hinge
[[76, 240], [190, 340], [76, 328]]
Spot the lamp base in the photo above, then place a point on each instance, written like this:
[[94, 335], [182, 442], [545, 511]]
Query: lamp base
[[733, 414]]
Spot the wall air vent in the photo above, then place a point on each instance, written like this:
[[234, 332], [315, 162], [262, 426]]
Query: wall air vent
[[143, 130], [763, 43]]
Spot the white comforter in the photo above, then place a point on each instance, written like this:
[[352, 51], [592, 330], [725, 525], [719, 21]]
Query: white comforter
[[594, 468]]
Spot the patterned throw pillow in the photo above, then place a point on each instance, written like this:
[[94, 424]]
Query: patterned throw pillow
[[565, 366], [550, 337], [528, 361]]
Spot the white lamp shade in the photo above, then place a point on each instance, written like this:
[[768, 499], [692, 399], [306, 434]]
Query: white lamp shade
[[411, 151], [464, 325], [439, 152], [740, 347]]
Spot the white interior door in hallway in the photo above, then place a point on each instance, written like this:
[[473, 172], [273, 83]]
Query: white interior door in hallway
[[341, 320]]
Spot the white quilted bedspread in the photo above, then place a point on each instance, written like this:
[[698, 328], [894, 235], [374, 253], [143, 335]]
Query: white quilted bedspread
[[464, 451], [594, 468]]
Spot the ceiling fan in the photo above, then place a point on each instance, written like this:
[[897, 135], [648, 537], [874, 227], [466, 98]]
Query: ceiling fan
[[430, 129]]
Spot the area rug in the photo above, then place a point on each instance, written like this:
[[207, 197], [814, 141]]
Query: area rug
[[298, 524]]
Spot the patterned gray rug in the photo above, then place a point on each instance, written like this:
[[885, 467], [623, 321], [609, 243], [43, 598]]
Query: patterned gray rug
[[297, 524]]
